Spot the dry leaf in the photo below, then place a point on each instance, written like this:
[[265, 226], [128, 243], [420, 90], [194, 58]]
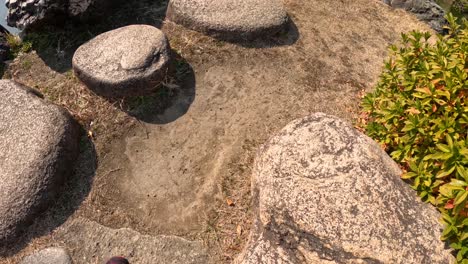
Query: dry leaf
[[239, 230], [230, 202]]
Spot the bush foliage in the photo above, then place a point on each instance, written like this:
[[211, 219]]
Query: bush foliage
[[419, 113]]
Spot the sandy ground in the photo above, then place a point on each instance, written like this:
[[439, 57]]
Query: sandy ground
[[184, 169]]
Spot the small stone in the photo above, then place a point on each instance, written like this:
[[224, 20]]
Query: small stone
[[325, 193], [51, 255], [230, 19], [128, 61], [38, 144]]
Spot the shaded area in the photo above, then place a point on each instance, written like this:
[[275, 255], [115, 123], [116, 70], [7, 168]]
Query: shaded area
[[73, 192], [285, 37], [170, 101]]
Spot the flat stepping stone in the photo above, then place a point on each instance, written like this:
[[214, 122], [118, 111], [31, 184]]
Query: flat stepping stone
[[230, 19], [128, 61], [38, 143], [91, 242], [325, 193], [52, 255]]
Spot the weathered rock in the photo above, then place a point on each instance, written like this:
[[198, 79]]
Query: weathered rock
[[38, 142], [426, 10], [26, 13], [93, 243], [128, 61], [325, 193], [227, 19], [52, 255]]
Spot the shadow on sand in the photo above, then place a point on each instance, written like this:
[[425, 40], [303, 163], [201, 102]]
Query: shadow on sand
[[170, 101]]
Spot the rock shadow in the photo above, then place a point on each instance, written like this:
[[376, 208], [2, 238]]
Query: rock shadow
[[287, 36], [70, 196], [171, 100]]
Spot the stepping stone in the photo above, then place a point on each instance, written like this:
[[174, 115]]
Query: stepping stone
[[52, 255], [128, 61], [38, 143], [230, 19], [325, 193], [95, 243]]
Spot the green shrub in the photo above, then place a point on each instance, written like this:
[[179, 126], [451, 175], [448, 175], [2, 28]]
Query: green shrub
[[419, 113], [17, 46], [460, 7]]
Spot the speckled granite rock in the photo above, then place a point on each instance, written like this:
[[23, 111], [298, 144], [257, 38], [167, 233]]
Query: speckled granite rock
[[227, 19], [52, 255], [127, 61], [426, 10], [38, 142], [325, 193]]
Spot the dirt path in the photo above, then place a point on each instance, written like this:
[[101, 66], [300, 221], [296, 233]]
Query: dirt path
[[186, 170]]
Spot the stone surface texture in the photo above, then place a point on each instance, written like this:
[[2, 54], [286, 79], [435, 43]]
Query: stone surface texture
[[96, 244], [232, 20], [325, 193], [38, 142], [127, 61], [53, 255], [426, 10], [25, 13]]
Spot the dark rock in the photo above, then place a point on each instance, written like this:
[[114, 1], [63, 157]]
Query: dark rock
[[38, 143], [231, 20], [24, 14], [129, 61], [426, 10], [325, 193], [48, 256], [4, 46]]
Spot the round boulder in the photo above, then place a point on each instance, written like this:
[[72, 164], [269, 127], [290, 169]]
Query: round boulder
[[128, 61], [38, 143], [51, 255], [228, 19], [325, 193]]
